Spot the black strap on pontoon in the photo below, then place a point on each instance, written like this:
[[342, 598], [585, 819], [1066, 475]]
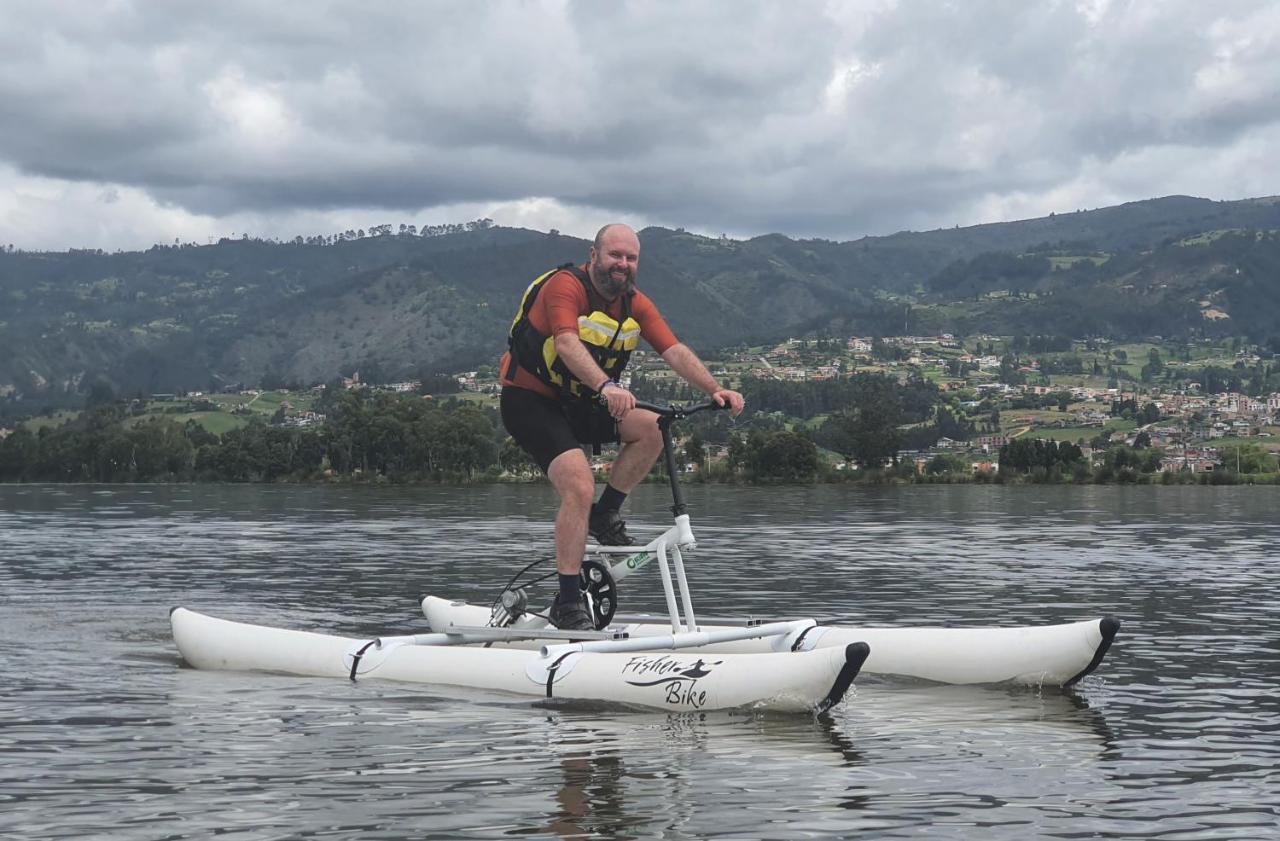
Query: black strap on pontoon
[[551, 671], [795, 646], [855, 654], [1108, 625], [355, 658]]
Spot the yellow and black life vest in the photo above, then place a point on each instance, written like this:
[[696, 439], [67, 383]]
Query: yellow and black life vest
[[609, 341]]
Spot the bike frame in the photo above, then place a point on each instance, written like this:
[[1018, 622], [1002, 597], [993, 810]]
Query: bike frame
[[675, 540], [668, 548]]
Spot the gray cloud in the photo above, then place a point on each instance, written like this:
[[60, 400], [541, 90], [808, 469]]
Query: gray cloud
[[831, 119]]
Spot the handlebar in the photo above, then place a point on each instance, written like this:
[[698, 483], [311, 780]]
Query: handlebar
[[676, 412]]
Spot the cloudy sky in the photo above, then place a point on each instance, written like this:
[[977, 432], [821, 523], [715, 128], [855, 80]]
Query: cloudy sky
[[126, 123]]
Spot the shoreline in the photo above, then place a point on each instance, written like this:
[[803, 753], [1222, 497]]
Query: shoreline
[[1214, 479]]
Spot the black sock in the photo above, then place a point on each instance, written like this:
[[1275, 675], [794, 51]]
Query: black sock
[[570, 588], [611, 499]]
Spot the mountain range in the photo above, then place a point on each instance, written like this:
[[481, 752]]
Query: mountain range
[[396, 305]]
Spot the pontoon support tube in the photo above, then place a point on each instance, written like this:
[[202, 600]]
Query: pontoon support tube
[[684, 640]]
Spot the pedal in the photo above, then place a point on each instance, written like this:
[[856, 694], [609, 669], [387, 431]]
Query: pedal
[[512, 604], [601, 591]]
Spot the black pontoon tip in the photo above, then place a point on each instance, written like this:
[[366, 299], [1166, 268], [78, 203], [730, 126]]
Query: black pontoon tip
[[1109, 626], [855, 654]]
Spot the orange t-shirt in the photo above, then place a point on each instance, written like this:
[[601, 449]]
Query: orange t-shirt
[[561, 300]]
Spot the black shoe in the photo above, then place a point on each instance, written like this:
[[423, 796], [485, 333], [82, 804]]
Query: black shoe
[[608, 528], [573, 616]]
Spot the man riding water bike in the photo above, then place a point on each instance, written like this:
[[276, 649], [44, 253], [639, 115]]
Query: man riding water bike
[[569, 342]]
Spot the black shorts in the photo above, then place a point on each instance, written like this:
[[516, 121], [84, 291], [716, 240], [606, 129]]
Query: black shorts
[[545, 427]]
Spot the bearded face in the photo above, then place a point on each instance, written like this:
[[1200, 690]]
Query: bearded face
[[613, 280], [614, 262]]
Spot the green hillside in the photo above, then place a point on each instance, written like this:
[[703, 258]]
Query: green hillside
[[254, 312]]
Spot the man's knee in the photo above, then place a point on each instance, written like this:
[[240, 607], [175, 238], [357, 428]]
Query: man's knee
[[641, 427], [571, 475]]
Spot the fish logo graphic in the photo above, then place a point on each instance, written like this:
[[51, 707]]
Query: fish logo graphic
[[680, 680]]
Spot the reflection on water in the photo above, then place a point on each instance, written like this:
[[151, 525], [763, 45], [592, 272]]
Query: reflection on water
[[1176, 735]]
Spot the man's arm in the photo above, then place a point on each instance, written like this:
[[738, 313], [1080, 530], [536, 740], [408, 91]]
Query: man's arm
[[578, 359], [576, 356], [686, 363], [563, 298]]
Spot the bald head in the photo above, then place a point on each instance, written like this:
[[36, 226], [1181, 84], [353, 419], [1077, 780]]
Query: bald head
[[617, 227], [615, 256]]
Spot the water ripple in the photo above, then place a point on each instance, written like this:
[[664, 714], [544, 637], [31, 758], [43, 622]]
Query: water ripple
[[1176, 737]]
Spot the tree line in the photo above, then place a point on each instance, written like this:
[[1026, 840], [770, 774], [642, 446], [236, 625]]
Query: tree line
[[382, 436], [406, 438], [375, 435]]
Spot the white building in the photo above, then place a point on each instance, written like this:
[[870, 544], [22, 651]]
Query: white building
[[859, 345]]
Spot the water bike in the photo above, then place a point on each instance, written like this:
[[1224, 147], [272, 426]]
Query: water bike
[[1045, 655], [644, 661]]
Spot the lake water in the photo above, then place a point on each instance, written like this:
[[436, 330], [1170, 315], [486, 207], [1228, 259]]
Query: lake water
[[104, 734]]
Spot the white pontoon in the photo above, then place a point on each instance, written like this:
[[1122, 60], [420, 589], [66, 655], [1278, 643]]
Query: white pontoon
[[609, 667], [676, 664]]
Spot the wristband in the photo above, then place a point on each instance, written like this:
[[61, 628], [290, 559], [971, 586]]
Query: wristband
[[606, 384]]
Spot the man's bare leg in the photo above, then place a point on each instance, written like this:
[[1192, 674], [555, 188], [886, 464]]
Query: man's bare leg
[[641, 446], [570, 474]]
